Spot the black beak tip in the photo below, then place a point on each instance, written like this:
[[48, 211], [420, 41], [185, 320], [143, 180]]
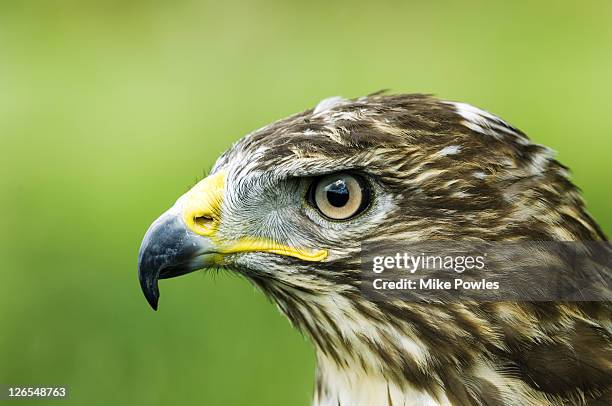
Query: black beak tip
[[148, 284], [153, 300]]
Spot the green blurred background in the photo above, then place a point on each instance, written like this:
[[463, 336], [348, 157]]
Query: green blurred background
[[109, 110]]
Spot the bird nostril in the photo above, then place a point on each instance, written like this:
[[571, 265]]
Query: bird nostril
[[204, 222]]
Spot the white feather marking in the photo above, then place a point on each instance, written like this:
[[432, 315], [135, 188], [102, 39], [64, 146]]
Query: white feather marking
[[449, 150], [540, 162], [485, 123], [327, 104]]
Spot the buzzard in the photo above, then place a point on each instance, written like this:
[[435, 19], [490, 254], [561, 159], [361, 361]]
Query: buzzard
[[289, 206]]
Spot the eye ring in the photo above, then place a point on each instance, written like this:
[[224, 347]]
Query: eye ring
[[340, 196]]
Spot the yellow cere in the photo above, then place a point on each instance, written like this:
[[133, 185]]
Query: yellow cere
[[202, 205], [202, 214]]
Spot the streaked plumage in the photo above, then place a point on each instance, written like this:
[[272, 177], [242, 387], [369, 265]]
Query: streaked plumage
[[439, 170]]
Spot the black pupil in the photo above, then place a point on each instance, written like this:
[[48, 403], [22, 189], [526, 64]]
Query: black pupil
[[337, 193]]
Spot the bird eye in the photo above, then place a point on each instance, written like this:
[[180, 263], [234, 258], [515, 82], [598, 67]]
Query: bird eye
[[339, 196]]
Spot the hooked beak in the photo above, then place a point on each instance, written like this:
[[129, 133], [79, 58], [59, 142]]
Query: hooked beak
[[185, 239], [170, 249]]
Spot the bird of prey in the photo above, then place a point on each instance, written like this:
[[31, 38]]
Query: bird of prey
[[289, 206]]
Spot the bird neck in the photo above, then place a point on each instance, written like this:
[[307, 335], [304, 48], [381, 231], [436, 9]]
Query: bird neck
[[351, 385], [362, 358]]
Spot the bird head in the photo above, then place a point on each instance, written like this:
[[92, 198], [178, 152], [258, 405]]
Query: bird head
[[290, 205]]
